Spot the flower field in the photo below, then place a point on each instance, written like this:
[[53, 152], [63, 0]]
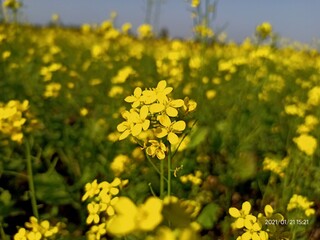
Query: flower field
[[106, 134]]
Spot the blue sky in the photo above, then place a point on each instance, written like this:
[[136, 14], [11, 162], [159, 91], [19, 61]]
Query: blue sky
[[295, 19]]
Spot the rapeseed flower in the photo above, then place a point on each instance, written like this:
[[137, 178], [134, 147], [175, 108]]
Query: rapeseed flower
[[52, 90], [264, 30], [13, 116], [145, 31], [130, 218], [35, 230], [243, 216], [275, 165], [306, 143], [171, 130], [301, 202], [157, 149]]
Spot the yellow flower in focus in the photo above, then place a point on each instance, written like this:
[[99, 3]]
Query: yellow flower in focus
[[136, 98], [93, 209], [36, 230], [241, 215], [306, 143], [91, 189], [171, 130], [156, 149], [130, 218]]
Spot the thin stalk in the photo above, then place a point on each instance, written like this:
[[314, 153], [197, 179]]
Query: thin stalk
[[169, 172], [2, 233], [155, 167], [30, 182], [161, 178]]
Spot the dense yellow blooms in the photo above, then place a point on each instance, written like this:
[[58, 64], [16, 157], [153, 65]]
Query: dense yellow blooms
[[12, 119], [301, 202], [155, 113], [38, 230], [275, 165]]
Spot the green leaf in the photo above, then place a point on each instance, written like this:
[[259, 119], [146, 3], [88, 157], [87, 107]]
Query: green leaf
[[51, 188], [209, 215]]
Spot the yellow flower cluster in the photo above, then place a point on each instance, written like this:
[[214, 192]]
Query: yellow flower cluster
[[253, 227], [119, 164], [102, 198], [301, 202], [276, 166], [145, 31], [306, 143], [264, 30], [309, 124], [195, 179], [203, 31], [12, 118], [36, 230], [153, 118], [52, 90]]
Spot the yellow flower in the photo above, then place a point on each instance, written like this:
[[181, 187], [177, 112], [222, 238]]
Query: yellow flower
[[156, 149], [306, 143], [130, 218], [119, 164], [91, 189], [52, 90], [145, 31], [135, 122], [126, 27], [298, 201], [195, 3], [189, 105], [171, 130], [210, 94], [136, 98], [123, 75], [264, 30], [93, 210], [314, 96], [125, 128], [241, 215], [276, 166]]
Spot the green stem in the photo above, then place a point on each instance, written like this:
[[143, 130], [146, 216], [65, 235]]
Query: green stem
[[155, 167], [2, 233], [161, 178], [169, 172], [30, 182]]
